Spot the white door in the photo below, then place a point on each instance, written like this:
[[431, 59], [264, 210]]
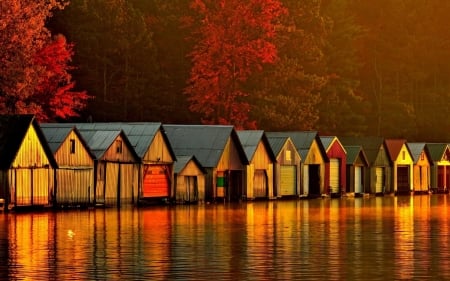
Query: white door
[[358, 182], [379, 173]]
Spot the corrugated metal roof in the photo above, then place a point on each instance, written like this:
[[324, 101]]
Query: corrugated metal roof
[[327, 141], [205, 142], [277, 143], [183, 160], [437, 151], [55, 136], [416, 149], [302, 141], [353, 151], [250, 140], [370, 145], [140, 134], [13, 129]]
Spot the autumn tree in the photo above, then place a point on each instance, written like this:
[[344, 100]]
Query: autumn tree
[[116, 56], [34, 66], [289, 92], [234, 39]]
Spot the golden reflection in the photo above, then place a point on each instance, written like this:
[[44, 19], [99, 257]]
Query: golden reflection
[[404, 237]]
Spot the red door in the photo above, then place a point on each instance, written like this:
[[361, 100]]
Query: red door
[[156, 181]]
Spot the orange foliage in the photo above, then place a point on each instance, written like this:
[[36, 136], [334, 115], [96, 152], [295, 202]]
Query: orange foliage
[[235, 39], [34, 67]]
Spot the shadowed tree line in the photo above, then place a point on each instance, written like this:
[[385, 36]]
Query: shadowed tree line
[[343, 67]]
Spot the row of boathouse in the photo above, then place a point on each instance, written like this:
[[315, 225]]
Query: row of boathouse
[[117, 163]]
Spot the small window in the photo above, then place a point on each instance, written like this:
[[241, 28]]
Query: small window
[[422, 156], [118, 146], [288, 155], [403, 155], [72, 146]]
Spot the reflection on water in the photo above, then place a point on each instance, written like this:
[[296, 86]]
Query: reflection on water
[[375, 238]]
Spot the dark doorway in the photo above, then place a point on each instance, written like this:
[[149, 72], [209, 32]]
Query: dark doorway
[[403, 179], [235, 185], [314, 179]]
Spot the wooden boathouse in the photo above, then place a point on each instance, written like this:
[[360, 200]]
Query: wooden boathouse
[[27, 176], [287, 167], [75, 172], [220, 153], [259, 171]]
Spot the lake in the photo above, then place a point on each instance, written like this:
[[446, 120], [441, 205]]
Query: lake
[[374, 238]]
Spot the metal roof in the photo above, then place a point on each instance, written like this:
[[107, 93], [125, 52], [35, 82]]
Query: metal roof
[[205, 142], [277, 143], [328, 141], [302, 141], [140, 134], [13, 129], [183, 160], [416, 149], [370, 145], [250, 140], [353, 151], [437, 151]]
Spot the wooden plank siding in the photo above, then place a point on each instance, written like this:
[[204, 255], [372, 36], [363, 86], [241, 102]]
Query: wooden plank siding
[[287, 167], [259, 186], [229, 161], [313, 161], [158, 154], [190, 182], [29, 179]]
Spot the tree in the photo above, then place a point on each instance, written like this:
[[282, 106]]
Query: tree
[[341, 106], [116, 56], [290, 90], [234, 40], [34, 67]]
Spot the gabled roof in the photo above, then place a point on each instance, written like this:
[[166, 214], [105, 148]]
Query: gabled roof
[[302, 141], [328, 141], [353, 151], [140, 134], [182, 161], [13, 129], [277, 143], [437, 151], [250, 140], [205, 142], [56, 135], [394, 146], [416, 149], [370, 145]]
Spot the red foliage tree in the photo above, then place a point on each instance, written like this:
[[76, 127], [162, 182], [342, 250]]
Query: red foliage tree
[[34, 77], [235, 39]]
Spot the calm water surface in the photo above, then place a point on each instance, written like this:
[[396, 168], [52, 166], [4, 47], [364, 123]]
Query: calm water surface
[[377, 238]]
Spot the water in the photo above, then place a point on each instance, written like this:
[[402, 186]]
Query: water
[[377, 238]]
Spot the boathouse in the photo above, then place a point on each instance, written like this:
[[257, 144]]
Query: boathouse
[[220, 153], [440, 170], [401, 165], [27, 176], [422, 167], [156, 157], [287, 167], [189, 180], [335, 169], [357, 163], [259, 170], [313, 157], [116, 166], [75, 172], [378, 174]]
